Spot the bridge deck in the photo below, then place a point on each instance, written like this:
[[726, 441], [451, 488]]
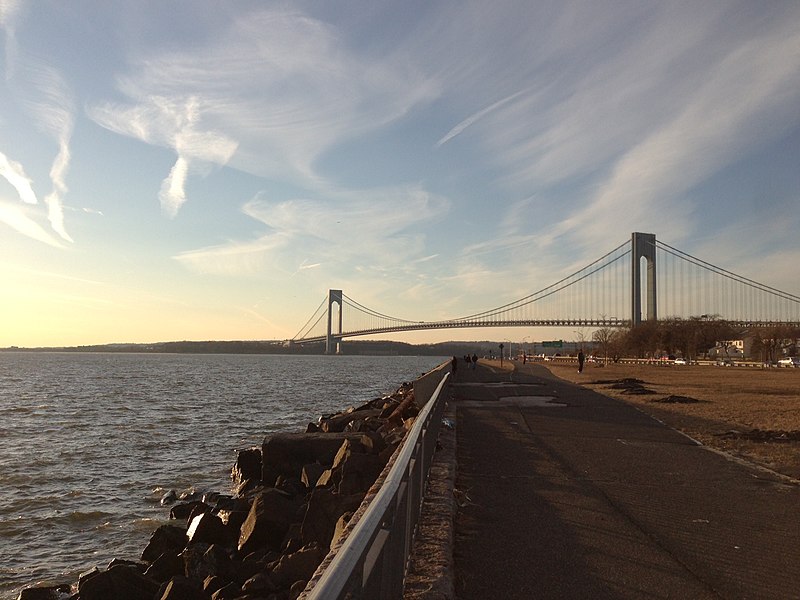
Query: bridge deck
[[590, 498]]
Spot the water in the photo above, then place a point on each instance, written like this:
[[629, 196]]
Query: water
[[89, 443]]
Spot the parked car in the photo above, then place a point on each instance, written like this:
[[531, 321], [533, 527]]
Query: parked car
[[789, 361], [679, 361]]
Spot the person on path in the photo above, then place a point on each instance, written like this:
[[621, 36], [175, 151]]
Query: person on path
[[581, 359], [474, 361], [455, 365]]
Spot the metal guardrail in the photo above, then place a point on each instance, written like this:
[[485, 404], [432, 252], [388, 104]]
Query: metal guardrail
[[372, 562]]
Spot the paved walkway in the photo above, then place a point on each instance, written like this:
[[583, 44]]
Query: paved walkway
[[583, 496]]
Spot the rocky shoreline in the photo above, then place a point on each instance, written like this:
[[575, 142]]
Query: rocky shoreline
[[290, 503]]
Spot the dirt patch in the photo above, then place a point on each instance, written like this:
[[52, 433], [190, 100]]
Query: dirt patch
[[672, 399], [742, 400], [762, 435]]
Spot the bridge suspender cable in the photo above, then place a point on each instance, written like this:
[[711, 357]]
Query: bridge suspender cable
[[588, 295], [306, 328], [726, 273]]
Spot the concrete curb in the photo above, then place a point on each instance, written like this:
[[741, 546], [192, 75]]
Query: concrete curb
[[431, 568]]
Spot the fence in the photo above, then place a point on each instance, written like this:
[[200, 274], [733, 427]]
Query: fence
[[371, 564]]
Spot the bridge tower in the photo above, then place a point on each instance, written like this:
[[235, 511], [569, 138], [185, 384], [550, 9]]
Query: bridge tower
[[643, 245], [332, 341]]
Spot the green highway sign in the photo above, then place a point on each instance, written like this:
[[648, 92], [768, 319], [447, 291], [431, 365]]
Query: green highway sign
[[553, 344]]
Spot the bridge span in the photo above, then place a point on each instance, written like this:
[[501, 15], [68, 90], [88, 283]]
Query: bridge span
[[637, 281]]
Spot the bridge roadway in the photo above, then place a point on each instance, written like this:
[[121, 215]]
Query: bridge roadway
[[585, 496]]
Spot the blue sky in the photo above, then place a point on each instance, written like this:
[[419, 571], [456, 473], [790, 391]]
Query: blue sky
[[203, 170]]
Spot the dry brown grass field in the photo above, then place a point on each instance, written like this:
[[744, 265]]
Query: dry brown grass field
[[750, 413]]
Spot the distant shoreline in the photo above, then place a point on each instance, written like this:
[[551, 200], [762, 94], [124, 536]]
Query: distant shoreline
[[351, 348]]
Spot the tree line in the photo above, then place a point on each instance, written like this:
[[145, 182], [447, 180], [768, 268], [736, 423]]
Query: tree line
[[693, 338]]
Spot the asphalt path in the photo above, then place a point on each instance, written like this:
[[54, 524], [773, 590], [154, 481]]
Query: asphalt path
[[566, 493]]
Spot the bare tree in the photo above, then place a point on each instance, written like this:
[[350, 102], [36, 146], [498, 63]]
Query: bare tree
[[604, 338]]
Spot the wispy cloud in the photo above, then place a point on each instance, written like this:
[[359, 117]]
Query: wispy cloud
[[9, 12], [173, 189], [718, 122], [622, 122], [17, 218], [362, 227], [277, 87], [175, 122], [474, 118], [48, 100], [14, 173]]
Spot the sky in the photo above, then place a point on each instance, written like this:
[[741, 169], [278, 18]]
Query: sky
[[196, 170]]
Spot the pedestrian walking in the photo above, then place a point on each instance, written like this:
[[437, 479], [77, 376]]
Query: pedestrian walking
[[581, 359]]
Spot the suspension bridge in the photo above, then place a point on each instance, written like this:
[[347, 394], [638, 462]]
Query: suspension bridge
[[638, 280]]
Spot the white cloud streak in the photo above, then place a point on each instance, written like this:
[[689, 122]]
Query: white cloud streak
[[14, 173], [9, 12], [718, 122], [475, 118], [625, 113], [277, 87], [17, 218], [48, 100], [368, 229]]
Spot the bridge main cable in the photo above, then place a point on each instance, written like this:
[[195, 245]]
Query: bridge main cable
[[305, 327], [551, 289], [725, 273]]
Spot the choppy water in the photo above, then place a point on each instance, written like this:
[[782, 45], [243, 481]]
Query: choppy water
[[89, 443]]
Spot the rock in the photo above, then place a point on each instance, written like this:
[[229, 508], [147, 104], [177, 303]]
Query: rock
[[405, 410], [311, 474], [135, 564], [247, 466], [388, 408], [297, 566], [211, 498], [267, 522], [191, 495], [260, 582], [209, 529], [326, 479], [51, 592], [293, 540], [287, 453], [212, 583], [353, 470], [359, 473], [248, 485], [185, 510], [165, 567], [297, 588], [202, 561], [227, 592], [337, 423], [87, 575], [341, 525], [251, 565], [325, 506], [291, 485], [166, 537], [180, 588], [234, 518], [121, 582]]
